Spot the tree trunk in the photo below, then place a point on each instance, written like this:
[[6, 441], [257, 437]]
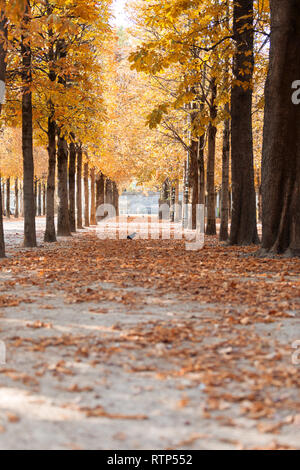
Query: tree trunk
[[8, 198], [243, 223], [16, 198], [21, 201], [116, 198], [212, 132], [44, 199], [281, 143], [108, 191], [201, 170], [39, 199], [63, 223], [27, 135], [194, 181], [86, 196], [100, 186], [72, 171], [35, 196], [3, 198], [2, 244], [93, 198], [50, 233], [225, 180], [79, 187]]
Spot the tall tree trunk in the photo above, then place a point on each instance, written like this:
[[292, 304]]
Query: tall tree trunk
[[21, 201], [16, 198], [27, 134], [93, 198], [116, 198], [79, 187], [86, 196], [243, 223], [225, 180], [50, 233], [72, 171], [281, 143], [2, 244], [63, 223], [201, 169], [44, 199], [3, 198], [194, 181], [8, 198], [100, 186], [36, 196], [212, 132], [39, 199]]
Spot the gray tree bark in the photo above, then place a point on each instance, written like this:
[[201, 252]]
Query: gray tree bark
[[27, 134], [243, 223], [281, 142]]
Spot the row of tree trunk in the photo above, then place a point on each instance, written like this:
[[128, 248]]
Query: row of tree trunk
[[75, 179], [17, 189]]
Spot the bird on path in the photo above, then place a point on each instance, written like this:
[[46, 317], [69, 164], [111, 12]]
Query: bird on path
[[132, 236]]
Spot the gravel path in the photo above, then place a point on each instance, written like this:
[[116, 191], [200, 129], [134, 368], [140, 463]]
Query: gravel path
[[128, 374]]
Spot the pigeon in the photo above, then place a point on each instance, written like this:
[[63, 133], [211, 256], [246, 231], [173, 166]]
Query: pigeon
[[132, 236]]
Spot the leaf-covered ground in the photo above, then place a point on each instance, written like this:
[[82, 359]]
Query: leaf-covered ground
[[142, 344]]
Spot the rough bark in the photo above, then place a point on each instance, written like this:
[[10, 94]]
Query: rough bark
[[44, 199], [21, 201], [35, 195], [63, 223], [194, 181], [93, 198], [281, 143], [116, 198], [3, 198], [100, 187], [86, 196], [79, 187], [2, 244], [225, 180], [50, 233], [108, 191], [39, 206], [212, 132], [8, 198], [243, 223], [72, 171], [16, 198], [201, 170], [27, 134]]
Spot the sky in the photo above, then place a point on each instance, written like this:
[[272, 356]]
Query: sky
[[119, 12]]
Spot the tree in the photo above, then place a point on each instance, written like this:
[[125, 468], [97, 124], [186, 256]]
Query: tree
[[212, 131], [72, 172], [225, 178], [63, 220], [243, 221], [79, 187], [50, 233], [27, 132], [281, 141], [3, 40]]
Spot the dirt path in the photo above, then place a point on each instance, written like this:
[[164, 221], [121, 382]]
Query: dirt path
[[142, 345]]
